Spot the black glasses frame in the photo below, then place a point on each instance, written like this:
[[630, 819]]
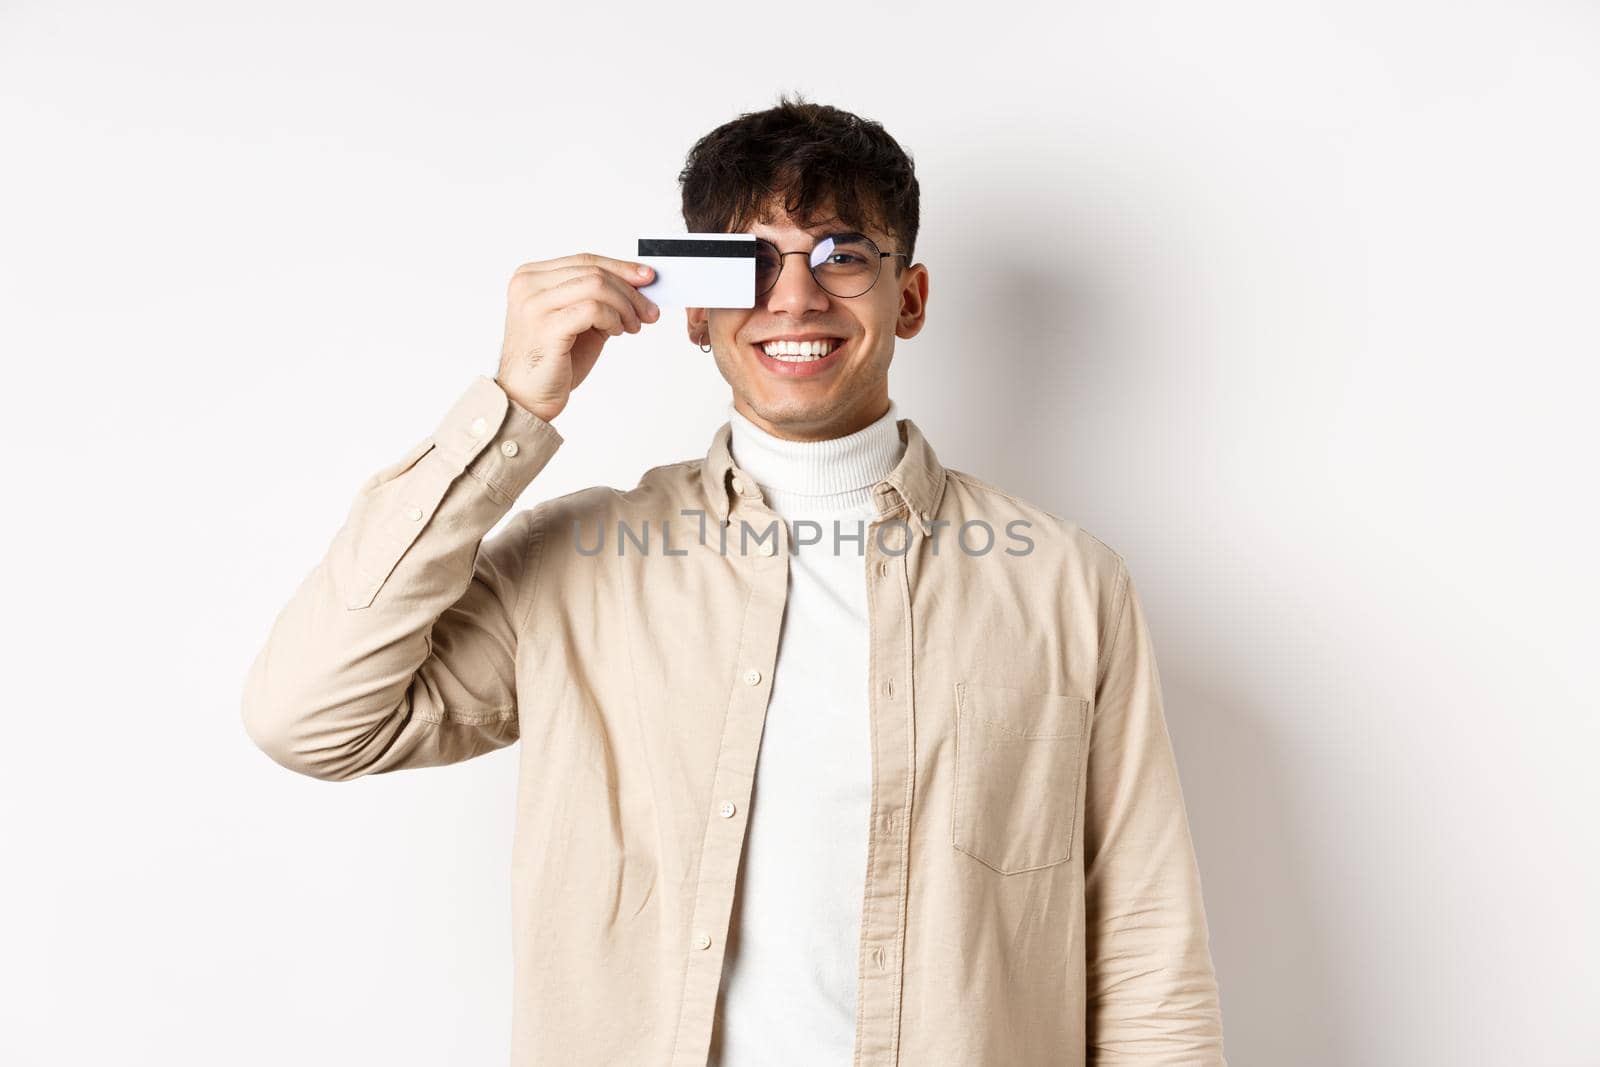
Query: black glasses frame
[[783, 258]]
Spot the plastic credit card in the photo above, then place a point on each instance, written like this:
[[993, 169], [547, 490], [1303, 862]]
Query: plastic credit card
[[701, 270]]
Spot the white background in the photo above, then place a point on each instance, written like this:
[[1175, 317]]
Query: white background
[[1294, 305]]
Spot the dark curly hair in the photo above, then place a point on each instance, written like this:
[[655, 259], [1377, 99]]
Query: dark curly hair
[[809, 156]]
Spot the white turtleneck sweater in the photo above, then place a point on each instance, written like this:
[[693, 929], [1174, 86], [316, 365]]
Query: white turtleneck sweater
[[788, 994]]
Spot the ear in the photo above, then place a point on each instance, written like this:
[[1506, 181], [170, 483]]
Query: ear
[[698, 326], [913, 301]]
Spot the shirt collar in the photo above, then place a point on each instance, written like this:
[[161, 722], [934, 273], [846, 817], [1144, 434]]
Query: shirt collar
[[917, 480]]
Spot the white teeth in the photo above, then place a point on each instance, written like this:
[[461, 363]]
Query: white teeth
[[798, 351]]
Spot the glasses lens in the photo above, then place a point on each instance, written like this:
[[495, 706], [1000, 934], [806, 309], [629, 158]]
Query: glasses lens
[[845, 264]]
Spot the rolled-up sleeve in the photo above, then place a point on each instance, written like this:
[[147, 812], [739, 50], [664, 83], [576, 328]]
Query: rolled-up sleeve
[[398, 649], [1152, 997]]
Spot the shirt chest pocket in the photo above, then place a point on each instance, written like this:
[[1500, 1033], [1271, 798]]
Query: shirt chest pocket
[[1018, 761]]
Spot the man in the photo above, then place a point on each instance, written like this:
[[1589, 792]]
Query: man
[[829, 753]]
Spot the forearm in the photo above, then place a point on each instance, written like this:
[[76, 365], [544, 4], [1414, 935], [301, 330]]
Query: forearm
[[1153, 992], [397, 649]]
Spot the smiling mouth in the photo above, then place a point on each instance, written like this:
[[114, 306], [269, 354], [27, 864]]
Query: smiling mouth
[[800, 351]]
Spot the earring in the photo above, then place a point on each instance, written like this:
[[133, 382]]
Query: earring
[[705, 348]]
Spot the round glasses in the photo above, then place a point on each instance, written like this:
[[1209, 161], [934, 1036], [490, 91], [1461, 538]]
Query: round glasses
[[844, 264]]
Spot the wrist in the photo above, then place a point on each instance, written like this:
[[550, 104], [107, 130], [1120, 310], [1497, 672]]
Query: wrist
[[541, 411]]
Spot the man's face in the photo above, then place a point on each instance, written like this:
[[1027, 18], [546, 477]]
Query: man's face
[[849, 388]]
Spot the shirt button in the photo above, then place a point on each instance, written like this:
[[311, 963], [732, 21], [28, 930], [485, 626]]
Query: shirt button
[[479, 427], [727, 809], [752, 676], [413, 513], [508, 447], [702, 940], [738, 485], [883, 568]]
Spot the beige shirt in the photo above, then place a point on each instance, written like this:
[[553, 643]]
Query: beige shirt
[[1031, 891]]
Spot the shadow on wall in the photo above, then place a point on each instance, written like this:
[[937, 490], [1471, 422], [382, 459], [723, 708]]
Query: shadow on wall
[[1281, 1002]]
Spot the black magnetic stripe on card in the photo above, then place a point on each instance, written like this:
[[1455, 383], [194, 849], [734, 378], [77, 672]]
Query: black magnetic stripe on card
[[709, 249]]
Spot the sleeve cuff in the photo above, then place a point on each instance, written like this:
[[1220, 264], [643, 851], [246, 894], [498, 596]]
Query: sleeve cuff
[[495, 439]]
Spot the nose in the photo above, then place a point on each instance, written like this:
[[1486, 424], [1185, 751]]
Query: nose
[[796, 291]]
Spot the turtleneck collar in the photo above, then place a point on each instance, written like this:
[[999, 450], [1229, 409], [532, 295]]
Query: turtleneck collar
[[833, 475]]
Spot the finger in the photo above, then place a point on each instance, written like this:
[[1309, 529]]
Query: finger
[[644, 309], [597, 284], [576, 318], [634, 273]]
